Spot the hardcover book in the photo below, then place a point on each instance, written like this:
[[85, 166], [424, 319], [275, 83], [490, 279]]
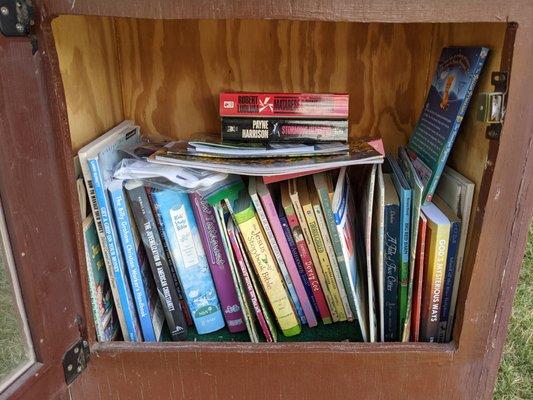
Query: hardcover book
[[391, 260], [438, 235], [328, 246], [246, 302], [103, 307], [287, 278], [416, 201], [183, 239], [378, 227], [430, 144], [262, 259], [451, 263], [418, 282], [309, 260], [218, 262], [301, 192], [146, 223], [458, 193], [280, 239], [344, 213], [404, 193], [101, 156], [284, 105], [284, 130], [149, 307]]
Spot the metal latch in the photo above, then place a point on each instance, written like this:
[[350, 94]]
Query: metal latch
[[16, 17], [75, 360], [491, 105]]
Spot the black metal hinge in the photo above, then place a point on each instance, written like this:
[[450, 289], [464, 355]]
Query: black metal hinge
[[491, 105], [75, 360], [16, 17]]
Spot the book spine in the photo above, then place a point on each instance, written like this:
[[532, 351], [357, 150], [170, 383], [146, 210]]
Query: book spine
[[239, 258], [132, 262], [289, 105], [290, 260], [279, 259], [183, 239], [391, 260], [330, 252], [265, 267], [218, 262], [433, 281], [146, 223], [451, 262], [430, 190], [337, 249], [308, 241], [325, 265], [418, 280], [283, 130], [132, 331], [168, 257], [295, 233], [405, 225]]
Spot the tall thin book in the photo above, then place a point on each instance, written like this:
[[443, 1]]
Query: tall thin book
[[378, 227]]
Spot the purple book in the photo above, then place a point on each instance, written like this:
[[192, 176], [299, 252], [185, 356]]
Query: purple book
[[218, 263]]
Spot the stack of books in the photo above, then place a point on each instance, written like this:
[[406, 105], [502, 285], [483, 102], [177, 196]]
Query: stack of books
[[300, 232]]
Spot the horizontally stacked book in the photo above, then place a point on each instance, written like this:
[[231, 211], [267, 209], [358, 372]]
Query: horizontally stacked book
[[335, 238]]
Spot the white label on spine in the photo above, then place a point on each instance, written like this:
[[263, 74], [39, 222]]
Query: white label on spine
[[184, 238]]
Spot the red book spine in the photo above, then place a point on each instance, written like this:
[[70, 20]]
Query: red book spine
[[418, 281], [305, 256], [301, 105]]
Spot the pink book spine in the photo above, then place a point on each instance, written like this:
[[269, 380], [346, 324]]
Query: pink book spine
[[307, 261], [277, 229], [218, 263], [249, 286]]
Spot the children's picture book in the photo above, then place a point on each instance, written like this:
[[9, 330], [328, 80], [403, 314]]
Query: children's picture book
[[188, 256], [391, 260], [360, 152], [97, 160], [437, 239], [455, 78], [343, 209], [457, 192], [417, 190], [378, 244], [264, 264], [309, 260], [149, 307], [451, 264], [103, 306], [267, 203], [418, 282], [403, 189], [217, 259], [146, 224], [287, 278]]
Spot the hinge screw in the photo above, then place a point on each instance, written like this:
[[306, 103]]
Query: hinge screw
[[20, 28], [4, 11]]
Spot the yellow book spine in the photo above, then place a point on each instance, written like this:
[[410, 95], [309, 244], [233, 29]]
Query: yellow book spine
[[314, 256], [320, 248], [433, 285], [267, 271]]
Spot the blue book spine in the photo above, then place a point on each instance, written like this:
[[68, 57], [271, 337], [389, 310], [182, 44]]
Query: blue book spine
[[391, 262], [405, 226], [136, 262], [115, 253], [297, 260], [183, 239], [449, 277]]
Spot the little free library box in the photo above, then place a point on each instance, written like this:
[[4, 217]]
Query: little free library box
[[72, 70]]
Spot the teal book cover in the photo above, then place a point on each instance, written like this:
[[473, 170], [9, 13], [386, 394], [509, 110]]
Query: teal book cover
[[454, 81], [183, 238]]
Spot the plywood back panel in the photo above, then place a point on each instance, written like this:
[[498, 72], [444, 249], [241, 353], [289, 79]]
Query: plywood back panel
[[173, 71], [89, 67]]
